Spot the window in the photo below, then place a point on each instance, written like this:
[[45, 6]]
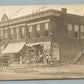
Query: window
[[17, 31], [76, 28], [46, 29], [30, 31], [82, 32], [38, 30], [6, 33], [1, 34], [11, 33], [46, 26], [76, 31], [70, 30], [70, 27], [76, 34], [38, 27], [30, 28], [22, 32]]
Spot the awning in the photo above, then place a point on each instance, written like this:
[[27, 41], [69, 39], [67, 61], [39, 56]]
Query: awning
[[13, 48], [46, 45], [33, 44]]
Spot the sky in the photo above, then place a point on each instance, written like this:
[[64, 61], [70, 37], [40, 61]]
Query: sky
[[17, 11]]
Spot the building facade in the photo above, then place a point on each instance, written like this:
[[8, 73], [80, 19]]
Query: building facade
[[50, 35]]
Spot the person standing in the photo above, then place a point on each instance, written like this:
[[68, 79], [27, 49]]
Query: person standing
[[47, 59], [4, 64]]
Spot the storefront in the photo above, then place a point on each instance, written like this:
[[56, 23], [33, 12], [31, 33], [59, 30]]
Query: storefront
[[39, 51], [22, 53], [15, 52]]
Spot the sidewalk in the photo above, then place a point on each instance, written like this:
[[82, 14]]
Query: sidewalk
[[43, 68]]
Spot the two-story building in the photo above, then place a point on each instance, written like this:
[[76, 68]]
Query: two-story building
[[49, 34]]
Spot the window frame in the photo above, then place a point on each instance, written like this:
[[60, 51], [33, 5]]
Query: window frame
[[76, 31], [82, 31], [38, 28], [70, 30], [46, 28]]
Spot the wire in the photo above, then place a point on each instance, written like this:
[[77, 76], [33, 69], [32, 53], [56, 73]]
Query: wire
[[16, 12]]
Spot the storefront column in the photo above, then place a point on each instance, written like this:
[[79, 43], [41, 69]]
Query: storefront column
[[21, 59]]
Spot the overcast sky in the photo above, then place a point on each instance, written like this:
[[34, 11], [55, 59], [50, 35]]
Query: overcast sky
[[17, 11]]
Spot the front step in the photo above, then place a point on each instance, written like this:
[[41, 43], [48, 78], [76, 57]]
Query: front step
[[77, 56]]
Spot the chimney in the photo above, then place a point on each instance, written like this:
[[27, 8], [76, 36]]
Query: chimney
[[63, 10]]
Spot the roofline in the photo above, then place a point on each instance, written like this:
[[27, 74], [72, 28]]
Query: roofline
[[29, 17], [33, 16]]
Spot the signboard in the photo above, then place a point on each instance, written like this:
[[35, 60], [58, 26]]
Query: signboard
[[47, 45]]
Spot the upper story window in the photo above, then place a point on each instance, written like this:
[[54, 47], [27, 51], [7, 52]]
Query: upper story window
[[38, 27], [70, 30], [70, 27], [11, 33], [76, 28], [17, 32], [22, 32], [76, 31], [30, 28], [1, 34], [6, 33], [82, 32], [38, 30], [30, 31], [46, 28]]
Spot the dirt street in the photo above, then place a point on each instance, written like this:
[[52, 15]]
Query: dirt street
[[67, 71]]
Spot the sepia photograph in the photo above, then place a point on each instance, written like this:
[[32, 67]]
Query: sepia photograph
[[42, 42]]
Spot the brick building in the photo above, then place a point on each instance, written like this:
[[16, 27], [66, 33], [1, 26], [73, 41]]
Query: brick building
[[56, 34]]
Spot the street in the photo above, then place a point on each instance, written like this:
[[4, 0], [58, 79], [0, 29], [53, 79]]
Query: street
[[53, 72]]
